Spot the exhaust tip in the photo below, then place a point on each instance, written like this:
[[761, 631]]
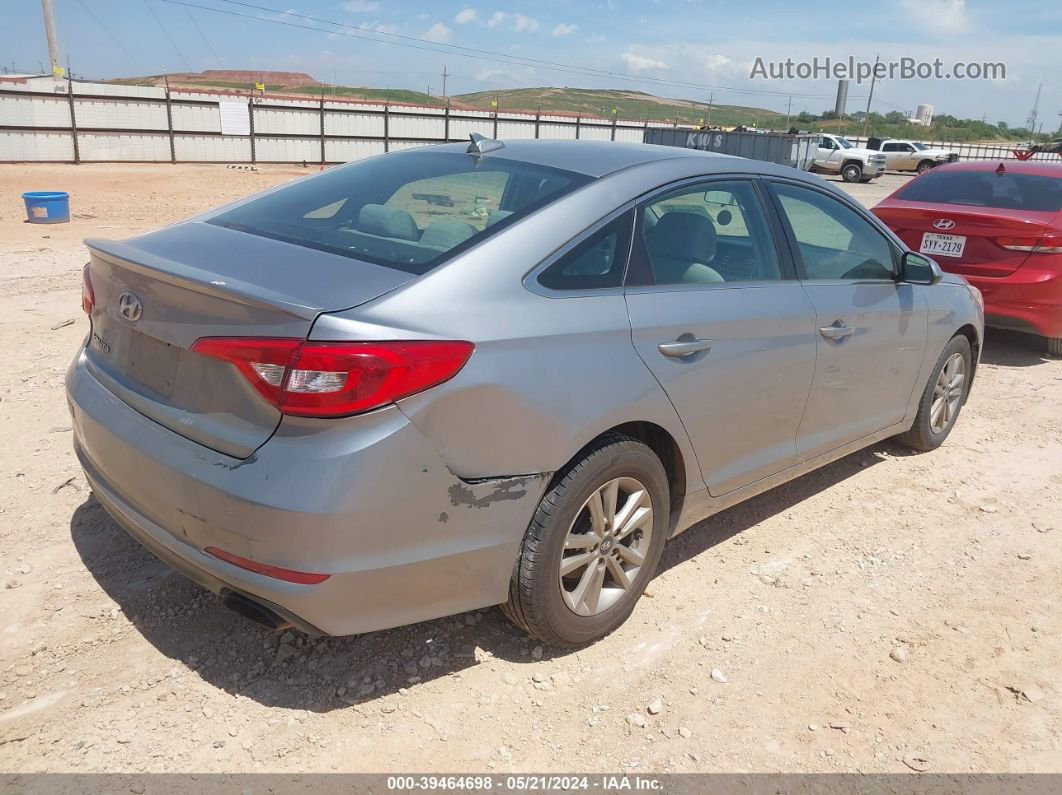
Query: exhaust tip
[[252, 610]]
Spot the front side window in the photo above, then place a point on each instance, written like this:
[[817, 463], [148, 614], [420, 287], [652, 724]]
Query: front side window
[[411, 211], [845, 143], [708, 233], [835, 242]]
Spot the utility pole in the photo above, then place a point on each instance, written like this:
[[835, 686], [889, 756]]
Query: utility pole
[[870, 96], [708, 120], [444, 76], [1030, 122], [53, 43], [788, 112]]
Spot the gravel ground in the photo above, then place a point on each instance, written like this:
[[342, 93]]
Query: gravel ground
[[887, 613]]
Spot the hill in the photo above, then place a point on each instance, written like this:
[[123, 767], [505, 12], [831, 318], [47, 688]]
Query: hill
[[629, 104], [585, 101]]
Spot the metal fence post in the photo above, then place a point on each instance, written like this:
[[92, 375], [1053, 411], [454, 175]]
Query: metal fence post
[[446, 122], [613, 138], [322, 130], [250, 116], [538, 120], [578, 121], [73, 119], [387, 126], [495, 133], [169, 125]]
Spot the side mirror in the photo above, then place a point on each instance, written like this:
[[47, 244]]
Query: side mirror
[[919, 269]]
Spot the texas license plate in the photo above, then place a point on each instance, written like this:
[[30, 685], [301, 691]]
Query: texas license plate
[[942, 245]]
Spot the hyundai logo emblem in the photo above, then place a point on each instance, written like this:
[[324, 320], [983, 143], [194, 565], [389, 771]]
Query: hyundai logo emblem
[[944, 223], [129, 307]]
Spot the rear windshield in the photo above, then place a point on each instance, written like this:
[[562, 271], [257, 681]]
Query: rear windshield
[[1029, 192], [411, 211]]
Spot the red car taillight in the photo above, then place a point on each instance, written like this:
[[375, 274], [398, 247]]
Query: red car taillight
[[1050, 243], [336, 379], [88, 297]]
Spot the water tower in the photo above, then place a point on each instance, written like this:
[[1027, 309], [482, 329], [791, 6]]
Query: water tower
[[924, 115]]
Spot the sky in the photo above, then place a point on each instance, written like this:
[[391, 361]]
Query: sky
[[693, 49]]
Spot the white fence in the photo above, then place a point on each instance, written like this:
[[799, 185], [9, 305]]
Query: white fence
[[42, 120]]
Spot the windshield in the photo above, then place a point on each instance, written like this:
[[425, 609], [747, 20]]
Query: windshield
[[918, 146], [1029, 192], [845, 143], [411, 211]]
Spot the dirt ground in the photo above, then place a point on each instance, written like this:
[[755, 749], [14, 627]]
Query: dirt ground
[[889, 607]]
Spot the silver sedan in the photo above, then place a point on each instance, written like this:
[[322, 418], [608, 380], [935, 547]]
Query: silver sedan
[[469, 375]]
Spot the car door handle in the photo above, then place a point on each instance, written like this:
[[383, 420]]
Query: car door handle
[[684, 347], [837, 331]]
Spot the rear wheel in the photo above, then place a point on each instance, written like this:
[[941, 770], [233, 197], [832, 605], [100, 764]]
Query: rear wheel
[[592, 545], [924, 166], [1054, 346], [852, 172], [943, 397]]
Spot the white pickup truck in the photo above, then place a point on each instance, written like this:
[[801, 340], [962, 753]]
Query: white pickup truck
[[901, 155], [837, 155]]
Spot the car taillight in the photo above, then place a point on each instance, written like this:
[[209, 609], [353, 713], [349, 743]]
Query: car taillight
[[88, 297], [1049, 243], [336, 379]]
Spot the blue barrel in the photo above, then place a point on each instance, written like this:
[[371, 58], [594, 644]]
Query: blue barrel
[[47, 206]]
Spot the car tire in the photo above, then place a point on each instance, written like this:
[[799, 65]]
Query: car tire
[[1054, 346], [924, 166], [852, 172], [934, 420], [544, 603]]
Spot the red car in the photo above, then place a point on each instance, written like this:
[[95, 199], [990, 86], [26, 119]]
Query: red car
[[1000, 226]]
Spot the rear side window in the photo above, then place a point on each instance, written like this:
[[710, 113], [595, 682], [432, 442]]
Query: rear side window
[[1030, 192], [596, 262], [411, 211]]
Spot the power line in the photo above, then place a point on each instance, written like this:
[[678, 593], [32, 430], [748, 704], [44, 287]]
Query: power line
[[415, 43], [202, 35], [166, 33], [115, 39]]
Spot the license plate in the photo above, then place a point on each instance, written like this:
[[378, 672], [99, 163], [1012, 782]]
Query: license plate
[[942, 245]]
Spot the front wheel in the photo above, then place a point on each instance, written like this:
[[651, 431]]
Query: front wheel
[[943, 397], [924, 166], [853, 172], [592, 545], [1054, 346]]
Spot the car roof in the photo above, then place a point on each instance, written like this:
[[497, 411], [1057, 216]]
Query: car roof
[[1038, 167], [593, 158]]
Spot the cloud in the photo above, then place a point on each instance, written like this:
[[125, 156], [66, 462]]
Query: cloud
[[948, 15], [466, 16], [639, 63], [595, 38], [361, 6], [515, 22], [563, 29], [522, 23], [438, 33]]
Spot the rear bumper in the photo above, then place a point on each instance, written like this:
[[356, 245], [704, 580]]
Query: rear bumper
[[1029, 299], [365, 499]]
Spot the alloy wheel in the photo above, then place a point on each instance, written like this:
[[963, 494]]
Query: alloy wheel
[[947, 393], [605, 547]]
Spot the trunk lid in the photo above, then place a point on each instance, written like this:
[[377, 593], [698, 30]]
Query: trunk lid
[[198, 280], [983, 228]]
